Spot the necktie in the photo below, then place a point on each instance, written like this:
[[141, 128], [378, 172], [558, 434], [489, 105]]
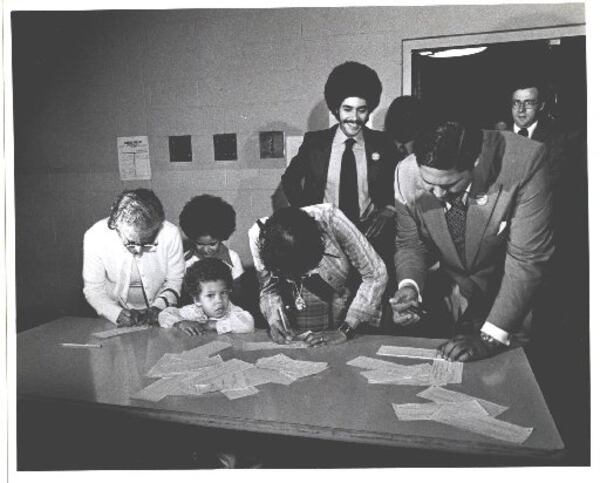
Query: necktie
[[348, 201], [524, 132], [456, 217]]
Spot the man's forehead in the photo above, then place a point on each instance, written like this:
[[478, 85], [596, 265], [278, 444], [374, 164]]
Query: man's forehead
[[528, 92], [354, 102]]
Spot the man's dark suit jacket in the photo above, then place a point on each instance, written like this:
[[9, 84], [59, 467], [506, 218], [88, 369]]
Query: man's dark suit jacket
[[508, 229], [305, 178]]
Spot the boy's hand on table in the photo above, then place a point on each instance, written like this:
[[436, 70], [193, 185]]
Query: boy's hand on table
[[190, 327]]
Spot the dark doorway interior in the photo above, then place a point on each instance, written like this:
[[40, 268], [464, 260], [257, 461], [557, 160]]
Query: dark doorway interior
[[476, 87]]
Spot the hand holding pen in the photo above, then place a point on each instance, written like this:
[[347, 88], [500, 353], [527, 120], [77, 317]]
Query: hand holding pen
[[279, 327], [406, 307]]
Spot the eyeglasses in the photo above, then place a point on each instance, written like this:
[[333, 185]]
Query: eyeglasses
[[528, 104], [141, 246]]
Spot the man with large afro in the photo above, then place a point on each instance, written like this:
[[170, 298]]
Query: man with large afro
[[349, 165]]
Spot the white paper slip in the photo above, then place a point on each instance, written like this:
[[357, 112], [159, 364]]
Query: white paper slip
[[255, 376], [485, 425], [408, 352], [440, 395], [207, 374], [291, 367], [445, 372], [206, 350], [119, 331], [172, 364], [426, 411], [270, 345], [379, 377], [239, 393], [162, 388], [371, 363]]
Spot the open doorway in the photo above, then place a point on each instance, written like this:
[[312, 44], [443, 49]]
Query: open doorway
[[476, 87]]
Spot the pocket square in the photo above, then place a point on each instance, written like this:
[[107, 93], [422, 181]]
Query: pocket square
[[501, 227]]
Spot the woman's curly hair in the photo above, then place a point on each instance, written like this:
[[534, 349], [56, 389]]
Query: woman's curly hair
[[207, 215], [140, 208], [291, 243], [206, 270]]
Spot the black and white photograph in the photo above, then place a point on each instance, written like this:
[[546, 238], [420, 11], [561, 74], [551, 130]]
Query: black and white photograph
[[290, 236]]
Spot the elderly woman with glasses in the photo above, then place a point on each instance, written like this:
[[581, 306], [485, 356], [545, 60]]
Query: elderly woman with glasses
[[133, 261]]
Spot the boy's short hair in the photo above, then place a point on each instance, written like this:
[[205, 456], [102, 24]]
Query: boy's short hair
[[206, 270], [207, 215]]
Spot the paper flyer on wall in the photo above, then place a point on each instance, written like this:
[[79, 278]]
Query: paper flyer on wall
[[134, 158]]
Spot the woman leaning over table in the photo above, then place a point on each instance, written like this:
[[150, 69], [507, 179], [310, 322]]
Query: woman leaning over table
[[317, 272], [133, 261]]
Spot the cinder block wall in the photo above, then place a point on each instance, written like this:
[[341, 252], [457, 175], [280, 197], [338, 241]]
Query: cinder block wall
[[82, 78]]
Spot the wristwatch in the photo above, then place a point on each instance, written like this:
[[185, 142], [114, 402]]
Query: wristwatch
[[347, 330], [489, 341]]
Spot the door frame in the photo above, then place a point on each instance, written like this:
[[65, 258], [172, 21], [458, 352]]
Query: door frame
[[484, 38]]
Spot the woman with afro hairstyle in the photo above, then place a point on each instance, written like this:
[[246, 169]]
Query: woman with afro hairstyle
[[207, 221]]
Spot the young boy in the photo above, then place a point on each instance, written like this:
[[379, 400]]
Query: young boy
[[209, 282]]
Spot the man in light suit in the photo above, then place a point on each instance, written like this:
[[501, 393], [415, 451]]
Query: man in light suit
[[348, 165], [477, 205]]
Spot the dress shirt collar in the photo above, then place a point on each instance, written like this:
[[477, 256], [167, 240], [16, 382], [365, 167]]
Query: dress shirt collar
[[530, 129], [340, 137]]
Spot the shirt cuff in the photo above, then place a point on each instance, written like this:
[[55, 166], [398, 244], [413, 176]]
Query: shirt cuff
[[408, 281], [496, 333]]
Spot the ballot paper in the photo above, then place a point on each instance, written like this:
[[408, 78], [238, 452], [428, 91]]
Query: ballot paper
[[427, 411], [441, 395], [173, 364], [469, 415], [163, 387], [483, 424], [119, 331], [206, 350], [445, 372], [270, 345], [408, 352], [291, 367], [440, 372]]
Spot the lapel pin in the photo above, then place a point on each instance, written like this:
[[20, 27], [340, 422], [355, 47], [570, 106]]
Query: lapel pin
[[481, 199], [375, 156]]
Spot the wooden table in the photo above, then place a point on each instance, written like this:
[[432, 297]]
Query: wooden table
[[337, 404]]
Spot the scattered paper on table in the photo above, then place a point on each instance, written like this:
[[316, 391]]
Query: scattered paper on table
[[467, 414], [172, 364], [291, 367], [408, 352], [440, 372], [119, 331], [270, 345], [238, 393], [440, 395]]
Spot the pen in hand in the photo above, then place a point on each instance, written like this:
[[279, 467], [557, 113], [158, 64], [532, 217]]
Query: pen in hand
[[284, 323]]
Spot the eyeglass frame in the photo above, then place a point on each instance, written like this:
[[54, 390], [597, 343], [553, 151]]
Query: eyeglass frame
[[528, 104], [133, 245]]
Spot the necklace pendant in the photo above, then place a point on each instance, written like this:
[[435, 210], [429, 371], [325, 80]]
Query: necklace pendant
[[300, 303]]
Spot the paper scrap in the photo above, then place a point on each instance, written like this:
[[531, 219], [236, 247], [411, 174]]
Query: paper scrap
[[446, 372], [291, 367], [408, 352], [427, 411], [440, 395], [485, 425], [172, 364], [119, 331], [162, 388], [238, 393], [270, 345], [206, 350]]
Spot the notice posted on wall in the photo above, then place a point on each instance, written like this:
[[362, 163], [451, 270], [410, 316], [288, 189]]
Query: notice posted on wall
[[134, 158]]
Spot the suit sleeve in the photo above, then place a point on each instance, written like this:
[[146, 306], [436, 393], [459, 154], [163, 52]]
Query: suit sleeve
[[530, 246], [410, 258], [295, 174], [366, 306]]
